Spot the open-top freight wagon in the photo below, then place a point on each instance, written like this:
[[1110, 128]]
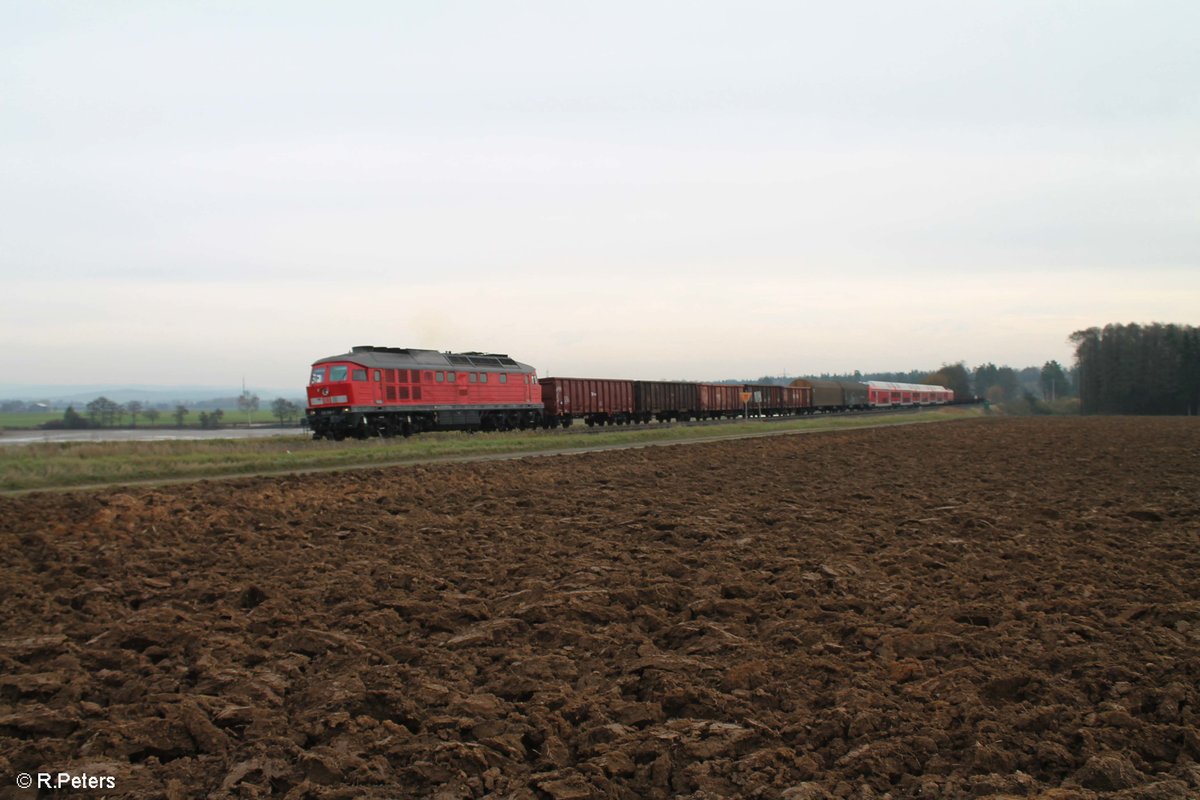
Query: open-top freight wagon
[[772, 400], [596, 401]]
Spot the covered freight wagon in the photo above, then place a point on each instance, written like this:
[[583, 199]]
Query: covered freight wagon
[[835, 395], [855, 394]]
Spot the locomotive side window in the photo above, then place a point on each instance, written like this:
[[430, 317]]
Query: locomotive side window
[[358, 375], [318, 375], [338, 373], [439, 376], [483, 377], [377, 376], [473, 377], [504, 377], [451, 377]]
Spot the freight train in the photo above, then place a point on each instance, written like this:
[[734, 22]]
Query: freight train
[[395, 391]]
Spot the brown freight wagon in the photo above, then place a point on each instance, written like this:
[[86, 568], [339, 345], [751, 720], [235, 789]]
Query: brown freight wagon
[[597, 401], [766, 399], [666, 400], [797, 399], [774, 401], [720, 400], [826, 395], [835, 395], [856, 395]]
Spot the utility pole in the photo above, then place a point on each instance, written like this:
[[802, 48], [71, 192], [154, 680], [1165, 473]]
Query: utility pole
[[246, 401]]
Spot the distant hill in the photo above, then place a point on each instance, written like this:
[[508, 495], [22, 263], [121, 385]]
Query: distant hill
[[193, 396]]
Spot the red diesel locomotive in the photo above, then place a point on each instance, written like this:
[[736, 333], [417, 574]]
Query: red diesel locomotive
[[394, 391]]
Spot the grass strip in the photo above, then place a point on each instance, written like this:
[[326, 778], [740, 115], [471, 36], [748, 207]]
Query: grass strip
[[53, 465]]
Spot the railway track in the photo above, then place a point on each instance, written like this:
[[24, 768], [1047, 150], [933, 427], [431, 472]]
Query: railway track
[[583, 428]]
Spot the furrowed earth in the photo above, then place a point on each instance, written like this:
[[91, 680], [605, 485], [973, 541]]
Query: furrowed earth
[[987, 608]]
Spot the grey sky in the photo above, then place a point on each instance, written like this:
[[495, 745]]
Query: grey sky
[[193, 192]]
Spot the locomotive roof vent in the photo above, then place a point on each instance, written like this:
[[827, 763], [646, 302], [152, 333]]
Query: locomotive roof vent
[[370, 348], [474, 359]]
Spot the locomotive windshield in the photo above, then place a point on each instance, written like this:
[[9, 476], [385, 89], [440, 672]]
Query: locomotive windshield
[[318, 375], [338, 373]]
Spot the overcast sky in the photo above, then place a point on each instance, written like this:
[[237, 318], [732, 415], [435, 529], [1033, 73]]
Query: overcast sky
[[191, 193]]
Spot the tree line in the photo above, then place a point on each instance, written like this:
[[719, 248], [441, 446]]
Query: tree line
[[1138, 369], [105, 413]]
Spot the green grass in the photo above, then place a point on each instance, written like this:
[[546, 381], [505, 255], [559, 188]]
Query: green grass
[[27, 420], [67, 464]]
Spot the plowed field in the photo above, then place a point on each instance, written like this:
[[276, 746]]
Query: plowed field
[[995, 607]]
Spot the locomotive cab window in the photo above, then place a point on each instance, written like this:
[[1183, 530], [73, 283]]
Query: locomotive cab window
[[358, 375], [318, 375], [338, 373]]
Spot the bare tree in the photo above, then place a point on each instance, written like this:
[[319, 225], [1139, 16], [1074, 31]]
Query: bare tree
[[284, 410], [248, 403]]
